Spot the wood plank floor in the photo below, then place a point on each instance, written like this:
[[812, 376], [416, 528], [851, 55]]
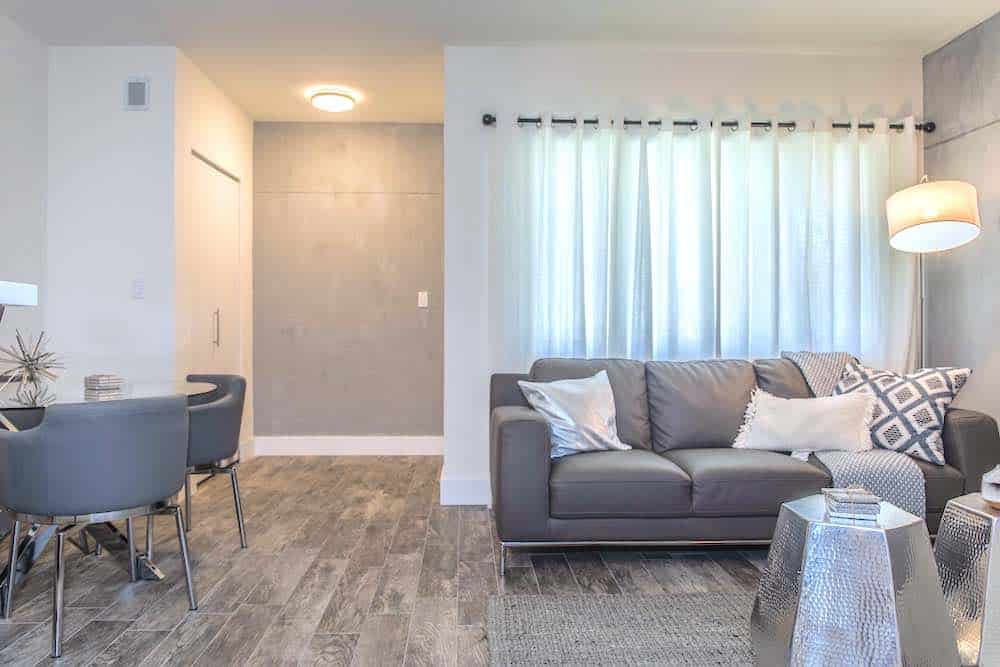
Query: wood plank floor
[[351, 561]]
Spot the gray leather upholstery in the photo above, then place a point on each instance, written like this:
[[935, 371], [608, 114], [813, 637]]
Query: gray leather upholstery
[[745, 482], [971, 444], [216, 419], [781, 377], [628, 382], [504, 390], [636, 483], [519, 471], [88, 458], [697, 403]]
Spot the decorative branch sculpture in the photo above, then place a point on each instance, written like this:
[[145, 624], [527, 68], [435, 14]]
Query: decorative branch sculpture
[[30, 367]]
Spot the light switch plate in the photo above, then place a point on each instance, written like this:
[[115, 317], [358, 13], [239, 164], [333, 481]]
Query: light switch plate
[[138, 289], [422, 300]]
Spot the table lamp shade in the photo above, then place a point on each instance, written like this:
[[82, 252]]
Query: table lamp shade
[[18, 294], [933, 216]]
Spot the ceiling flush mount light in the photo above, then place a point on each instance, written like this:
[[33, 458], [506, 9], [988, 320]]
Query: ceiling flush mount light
[[933, 216], [334, 99]]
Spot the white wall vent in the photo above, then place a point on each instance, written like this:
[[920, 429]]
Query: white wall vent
[[137, 94]]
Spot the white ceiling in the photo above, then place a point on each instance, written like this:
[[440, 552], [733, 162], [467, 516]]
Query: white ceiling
[[264, 53]]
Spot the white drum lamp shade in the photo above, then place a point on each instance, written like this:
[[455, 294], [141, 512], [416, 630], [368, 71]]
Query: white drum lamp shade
[[933, 216], [18, 294]]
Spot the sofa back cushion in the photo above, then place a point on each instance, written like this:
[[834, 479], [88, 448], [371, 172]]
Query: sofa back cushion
[[782, 378], [628, 383], [697, 403]]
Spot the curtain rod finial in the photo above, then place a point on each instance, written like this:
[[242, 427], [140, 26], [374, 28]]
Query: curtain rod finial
[[929, 126], [489, 119]]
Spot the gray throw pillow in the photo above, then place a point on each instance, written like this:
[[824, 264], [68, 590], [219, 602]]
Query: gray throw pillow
[[909, 409], [581, 413]]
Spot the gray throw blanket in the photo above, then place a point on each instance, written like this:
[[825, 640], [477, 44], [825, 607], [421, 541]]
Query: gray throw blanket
[[893, 477]]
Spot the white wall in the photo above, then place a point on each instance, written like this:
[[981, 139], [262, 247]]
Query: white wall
[[208, 122], [641, 82], [23, 76], [110, 213]]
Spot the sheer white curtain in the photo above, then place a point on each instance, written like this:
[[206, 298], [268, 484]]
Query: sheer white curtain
[[679, 244]]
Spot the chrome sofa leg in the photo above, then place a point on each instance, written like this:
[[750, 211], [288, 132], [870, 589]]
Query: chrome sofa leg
[[57, 595], [8, 599], [503, 560], [187, 502], [182, 539], [149, 537], [130, 536], [239, 506]]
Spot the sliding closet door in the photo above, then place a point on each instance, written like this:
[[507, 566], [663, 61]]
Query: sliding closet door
[[216, 317]]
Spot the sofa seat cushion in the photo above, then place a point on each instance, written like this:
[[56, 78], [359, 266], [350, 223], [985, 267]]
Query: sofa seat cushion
[[630, 484], [941, 484], [743, 482]]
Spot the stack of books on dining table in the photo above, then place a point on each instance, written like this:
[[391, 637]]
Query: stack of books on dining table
[[103, 387]]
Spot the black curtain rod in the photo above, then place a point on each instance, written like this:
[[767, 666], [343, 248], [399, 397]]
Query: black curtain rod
[[490, 120]]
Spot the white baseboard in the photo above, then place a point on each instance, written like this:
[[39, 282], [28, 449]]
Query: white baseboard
[[348, 445], [465, 491]]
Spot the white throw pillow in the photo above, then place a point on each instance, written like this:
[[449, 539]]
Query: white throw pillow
[[580, 412], [807, 424]]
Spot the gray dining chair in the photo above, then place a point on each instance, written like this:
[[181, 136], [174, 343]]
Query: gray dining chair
[[214, 437], [90, 463]]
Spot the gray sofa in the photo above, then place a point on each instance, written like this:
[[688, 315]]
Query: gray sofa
[[682, 483]]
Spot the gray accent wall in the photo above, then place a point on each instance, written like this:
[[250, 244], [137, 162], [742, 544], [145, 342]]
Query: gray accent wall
[[347, 229], [962, 95]]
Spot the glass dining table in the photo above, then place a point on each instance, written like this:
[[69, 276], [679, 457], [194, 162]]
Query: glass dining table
[[93, 538]]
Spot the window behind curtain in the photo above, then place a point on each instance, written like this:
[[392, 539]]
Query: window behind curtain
[[680, 244]]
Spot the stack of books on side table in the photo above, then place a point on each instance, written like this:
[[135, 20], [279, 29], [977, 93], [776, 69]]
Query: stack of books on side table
[[853, 503], [103, 387]]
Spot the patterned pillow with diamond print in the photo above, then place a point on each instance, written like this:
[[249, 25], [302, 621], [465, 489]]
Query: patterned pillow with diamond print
[[910, 409]]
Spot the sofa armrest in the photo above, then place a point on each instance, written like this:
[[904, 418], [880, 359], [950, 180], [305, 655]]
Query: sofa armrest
[[971, 444], [519, 472]]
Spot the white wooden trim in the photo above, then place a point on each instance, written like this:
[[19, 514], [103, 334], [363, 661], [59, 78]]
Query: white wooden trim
[[348, 445]]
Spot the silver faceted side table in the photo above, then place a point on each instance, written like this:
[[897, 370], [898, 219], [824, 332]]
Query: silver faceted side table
[[840, 592], [966, 542]]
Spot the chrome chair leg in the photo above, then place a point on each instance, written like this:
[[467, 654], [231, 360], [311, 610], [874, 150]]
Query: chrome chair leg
[[182, 538], [130, 536], [187, 502], [239, 506], [57, 595], [8, 600]]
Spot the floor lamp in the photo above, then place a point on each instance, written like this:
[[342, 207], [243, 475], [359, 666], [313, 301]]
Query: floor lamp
[[932, 216]]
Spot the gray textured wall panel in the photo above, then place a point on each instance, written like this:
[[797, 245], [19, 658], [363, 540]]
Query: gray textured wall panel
[[348, 227], [962, 94], [962, 82]]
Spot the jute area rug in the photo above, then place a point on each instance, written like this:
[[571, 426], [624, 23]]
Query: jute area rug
[[689, 629]]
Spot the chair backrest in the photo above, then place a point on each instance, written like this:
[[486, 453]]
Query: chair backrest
[[88, 458], [216, 419]]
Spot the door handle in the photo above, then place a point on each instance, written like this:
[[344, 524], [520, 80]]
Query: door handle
[[217, 340]]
